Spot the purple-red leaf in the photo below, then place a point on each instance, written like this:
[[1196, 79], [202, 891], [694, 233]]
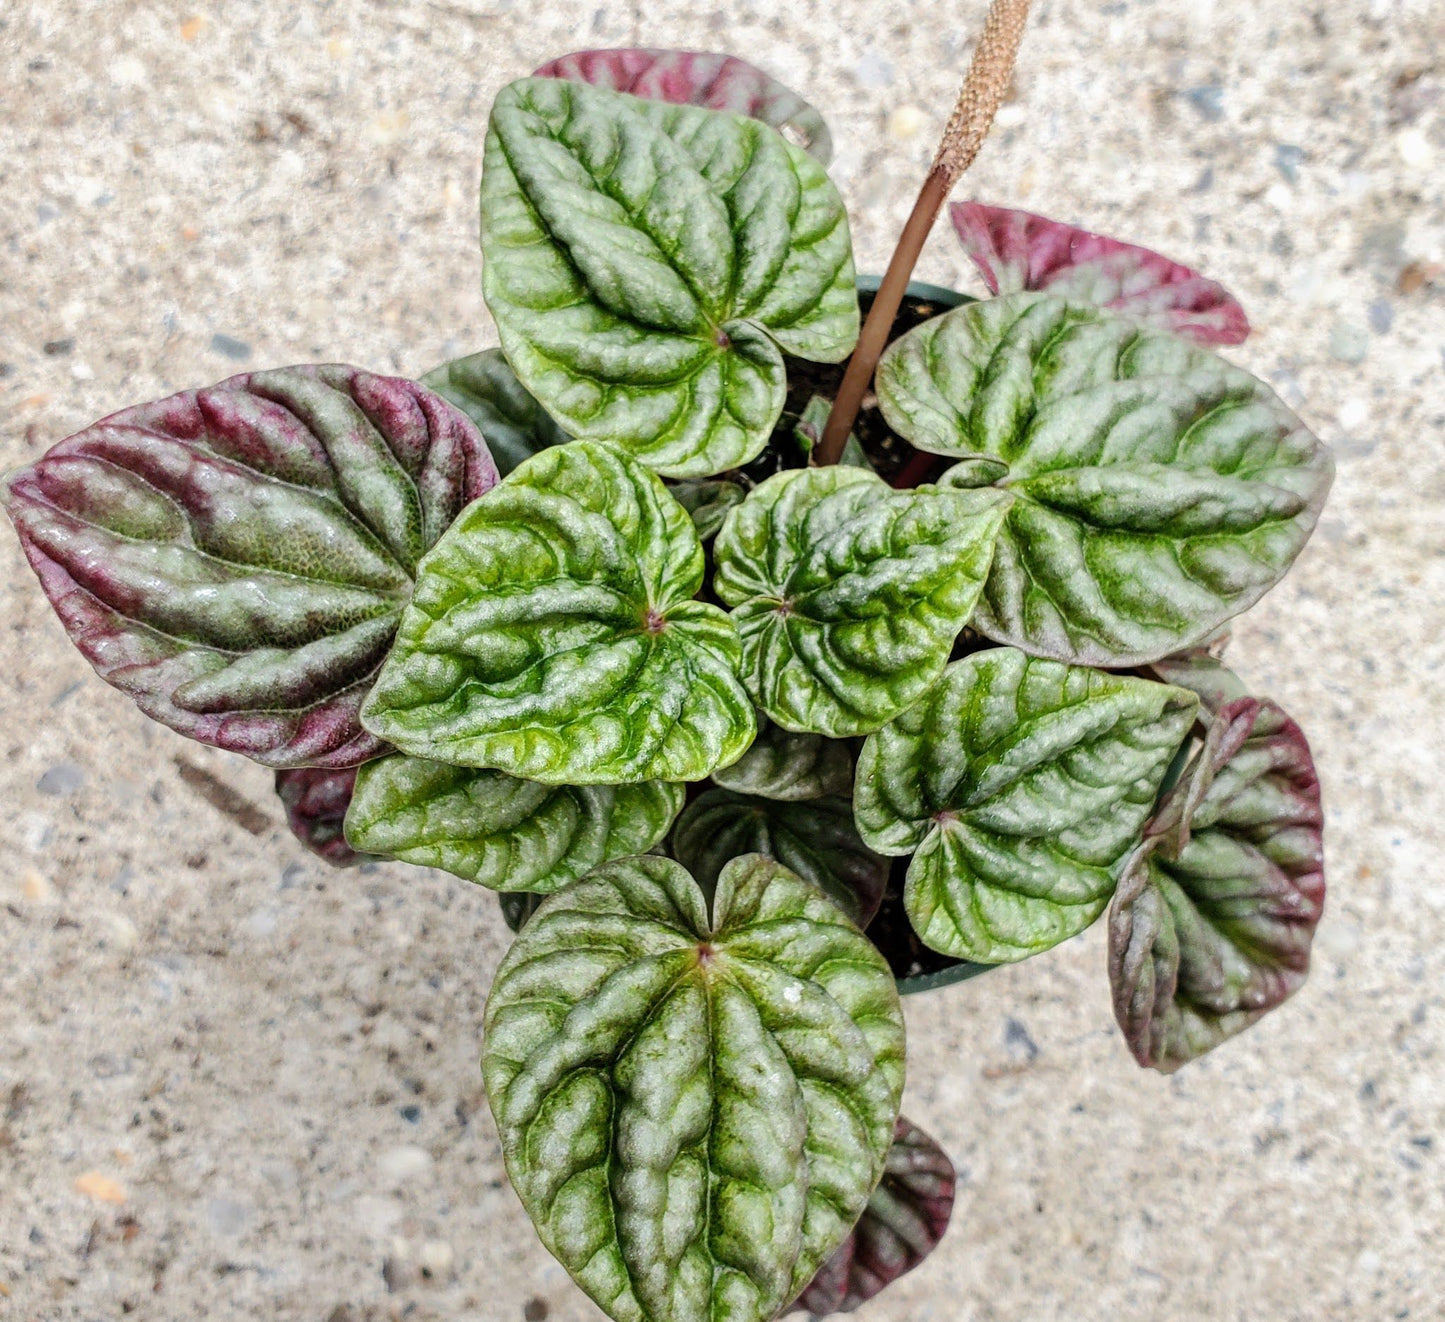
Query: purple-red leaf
[[1017, 250], [1214, 915], [237, 559], [316, 800], [697, 78], [902, 1224]]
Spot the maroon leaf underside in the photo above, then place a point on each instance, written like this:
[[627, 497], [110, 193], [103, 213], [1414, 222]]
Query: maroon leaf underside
[[902, 1224], [1213, 920], [236, 558], [1017, 250], [316, 800], [698, 78]]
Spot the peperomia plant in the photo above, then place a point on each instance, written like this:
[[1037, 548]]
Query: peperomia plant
[[750, 740]]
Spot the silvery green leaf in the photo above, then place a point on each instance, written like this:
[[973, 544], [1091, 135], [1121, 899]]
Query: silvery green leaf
[[848, 595], [816, 839], [1212, 923], [236, 559], [809, 431], [782, 764], [903, 1223], [1156, 490], [1020, 786], [501, 832], [694, 1108], [649, 264], [708, 500], [487, 391], [699, 78], [553, 635]]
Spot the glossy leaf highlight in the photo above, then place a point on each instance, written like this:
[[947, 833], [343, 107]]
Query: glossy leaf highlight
[[1157, 491], [903, 1223], [1016, 250], [848, 595], [501, 832], [487, 391], [236, 559], [1020, 786], [553, 635], [649, 264], [1212, 924], [693, 1108], [699, 78], [816, 839]]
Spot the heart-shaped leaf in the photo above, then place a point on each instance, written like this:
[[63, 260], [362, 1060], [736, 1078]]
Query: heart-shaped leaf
[[698, 78], [1016, 250], [1021, 787], [784, 765], [816, 839], [848, 594], [236, 559], [501, 832], [487, 391], [316, 799], [903, 1223], [1211, 925], [553, 636], [709, 501], [1157, 490], [694, 1110], [649, 264]]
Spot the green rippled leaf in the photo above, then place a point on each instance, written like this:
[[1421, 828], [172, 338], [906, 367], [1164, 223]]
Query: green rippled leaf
[[649, 264], [815, 838], [553, 635], [1156, 489], [782, 764], [1020, 786], [694, 1108], [848, 595], [487, 391], [501, 832]]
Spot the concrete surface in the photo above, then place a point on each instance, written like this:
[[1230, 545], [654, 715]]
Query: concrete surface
[[234, 1084]]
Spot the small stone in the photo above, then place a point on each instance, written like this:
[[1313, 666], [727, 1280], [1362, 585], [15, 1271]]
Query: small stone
[[1017, 1041], [60, 780], [100, 1187], [57, 348], [118, 932], [227, 1218], [436, 1259], [1353, 414], [1382, 316], [7, 370], [82, 371], [535, 1310], [261, 923], [403, 1163], [1349, 342], [107, 1065], [1287, 160], [1414, 148], [411, 1114], [873, 70], [397, 1274], [906, 122], [1208, 100], [36, 887], [229, 347]]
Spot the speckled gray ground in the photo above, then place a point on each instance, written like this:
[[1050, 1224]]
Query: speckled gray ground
[[273, 1065]]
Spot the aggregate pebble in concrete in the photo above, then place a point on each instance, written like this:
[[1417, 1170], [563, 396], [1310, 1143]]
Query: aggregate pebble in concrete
[[235, 1084]]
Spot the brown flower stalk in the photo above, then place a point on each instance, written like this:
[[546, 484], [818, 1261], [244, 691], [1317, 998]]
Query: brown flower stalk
[[978, 101]]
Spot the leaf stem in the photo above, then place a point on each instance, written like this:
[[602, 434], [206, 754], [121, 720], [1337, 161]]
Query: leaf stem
[[978, 101]]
